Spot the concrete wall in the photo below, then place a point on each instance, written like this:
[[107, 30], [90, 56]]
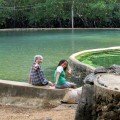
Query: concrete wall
[[107, 96], [100, 101], [80, 70], [26, 95]]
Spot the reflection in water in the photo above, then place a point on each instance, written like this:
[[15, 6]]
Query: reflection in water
[[72, 41]]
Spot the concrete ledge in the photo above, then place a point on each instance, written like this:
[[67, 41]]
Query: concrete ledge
[[24, 94], [39, 29]]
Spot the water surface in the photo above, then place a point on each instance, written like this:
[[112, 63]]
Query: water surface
[[17, 49]]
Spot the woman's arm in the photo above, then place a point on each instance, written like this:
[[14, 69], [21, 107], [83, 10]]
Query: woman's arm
[[68, 73], [57, 77]]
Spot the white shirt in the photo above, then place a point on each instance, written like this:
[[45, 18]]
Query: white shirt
[[59, 69]]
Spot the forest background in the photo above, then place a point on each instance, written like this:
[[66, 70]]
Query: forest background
[[59, 13]]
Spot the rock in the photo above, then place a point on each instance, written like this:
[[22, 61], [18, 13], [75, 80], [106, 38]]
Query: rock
[[99, 109], [101, 82], [110, 106], [48, 118], [86, 101], [116, 68], [72, 96], [100, 70], [113, 69], [111, 115], [104, 115], [89, 79], [104, 108]]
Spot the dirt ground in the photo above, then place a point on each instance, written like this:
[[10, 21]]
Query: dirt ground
[[62, 112]]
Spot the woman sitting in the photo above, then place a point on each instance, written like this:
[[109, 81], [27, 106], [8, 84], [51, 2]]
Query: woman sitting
[[59, 76]]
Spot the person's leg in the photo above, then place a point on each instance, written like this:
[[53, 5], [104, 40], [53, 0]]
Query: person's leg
[[63, 86], [70, 85], [66, 85], [59, 87]]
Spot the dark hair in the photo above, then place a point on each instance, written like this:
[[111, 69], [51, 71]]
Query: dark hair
[[61, 62]]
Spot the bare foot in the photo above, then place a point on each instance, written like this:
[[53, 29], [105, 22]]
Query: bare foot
[[73, 85]]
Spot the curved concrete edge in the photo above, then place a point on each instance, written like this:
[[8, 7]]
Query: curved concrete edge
[[25, 95], [113, 84], [92, 50], [105, 91], [81, 69], [72, 58]]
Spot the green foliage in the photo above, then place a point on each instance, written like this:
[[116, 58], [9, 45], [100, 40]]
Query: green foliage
[[40, 12], [3, 13]]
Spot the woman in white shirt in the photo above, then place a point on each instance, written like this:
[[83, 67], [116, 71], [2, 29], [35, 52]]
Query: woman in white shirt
[[59, 76]]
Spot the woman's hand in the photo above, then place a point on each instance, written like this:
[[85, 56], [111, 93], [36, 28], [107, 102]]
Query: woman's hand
[[55, 83], [70, 71], [50, 83]]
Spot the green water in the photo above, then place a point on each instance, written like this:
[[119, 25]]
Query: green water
[[104, 58], [17, 49]]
